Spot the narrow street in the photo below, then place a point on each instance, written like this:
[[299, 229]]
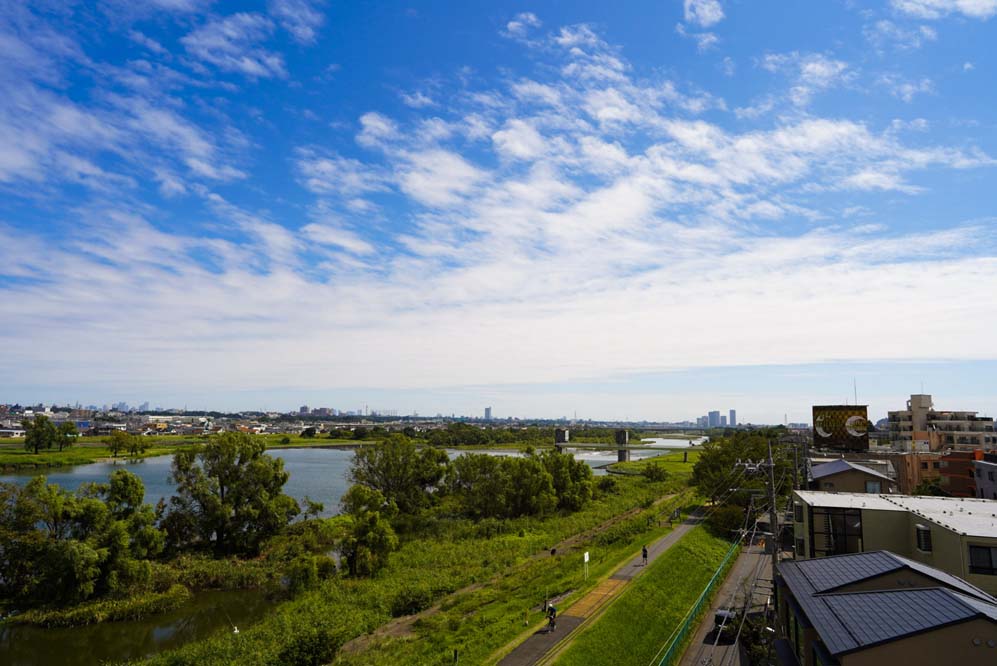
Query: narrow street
[[752, 565]]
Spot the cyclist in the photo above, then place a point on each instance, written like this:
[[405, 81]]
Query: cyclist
[[551, 618]]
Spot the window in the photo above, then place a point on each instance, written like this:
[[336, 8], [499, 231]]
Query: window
[[873, 487], [835, 531], [923, 538], [801, 548], [979, 473], [937, 465], [983, 560], [990, 475], [924, 465], [798, 513]]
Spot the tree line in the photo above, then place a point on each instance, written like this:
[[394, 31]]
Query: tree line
[[59, 547]]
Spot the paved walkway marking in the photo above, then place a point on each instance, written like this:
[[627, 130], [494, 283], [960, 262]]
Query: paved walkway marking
[[537, 646], [585, 606]]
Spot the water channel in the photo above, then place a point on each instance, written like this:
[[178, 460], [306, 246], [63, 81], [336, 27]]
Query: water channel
[[318, 473]]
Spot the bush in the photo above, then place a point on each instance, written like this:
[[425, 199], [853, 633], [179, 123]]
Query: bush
[[285, 440], [607, 484], [410, 600], [302, 574], [311, 648], [655, 472]]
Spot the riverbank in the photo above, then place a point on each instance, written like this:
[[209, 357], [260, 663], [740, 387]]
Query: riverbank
[[453, 585], [13, 457]]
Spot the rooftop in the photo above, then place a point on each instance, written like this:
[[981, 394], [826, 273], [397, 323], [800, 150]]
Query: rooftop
[[839, 466], [965, 515], [849, 621]]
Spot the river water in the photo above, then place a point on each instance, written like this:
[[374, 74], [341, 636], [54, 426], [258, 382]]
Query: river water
[[320, 474]]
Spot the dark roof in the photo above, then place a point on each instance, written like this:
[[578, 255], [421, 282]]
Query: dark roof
[[828, 574], [848, 621], [839, 466]]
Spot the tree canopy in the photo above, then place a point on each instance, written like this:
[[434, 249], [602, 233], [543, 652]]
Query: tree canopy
[[229, 495]]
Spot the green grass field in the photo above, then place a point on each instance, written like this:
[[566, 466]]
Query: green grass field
[[671, 462], [639, 622]]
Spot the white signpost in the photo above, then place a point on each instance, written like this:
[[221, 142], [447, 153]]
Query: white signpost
[[586, 565]]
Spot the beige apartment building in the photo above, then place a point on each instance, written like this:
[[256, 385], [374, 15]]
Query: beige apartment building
[[956, 535], [921, 428]]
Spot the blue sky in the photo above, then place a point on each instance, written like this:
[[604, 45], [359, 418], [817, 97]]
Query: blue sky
[[636, 209]]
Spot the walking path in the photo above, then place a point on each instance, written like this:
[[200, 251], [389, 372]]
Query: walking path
[[541, 643]]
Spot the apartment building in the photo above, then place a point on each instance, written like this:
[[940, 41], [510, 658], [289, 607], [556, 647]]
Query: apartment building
[[985, 471], [956, 535], [922, 428]]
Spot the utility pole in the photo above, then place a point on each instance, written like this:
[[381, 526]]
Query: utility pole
[[773, 513], [796, 467]]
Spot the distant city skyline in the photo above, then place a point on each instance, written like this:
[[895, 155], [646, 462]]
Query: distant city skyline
[[681, 395]]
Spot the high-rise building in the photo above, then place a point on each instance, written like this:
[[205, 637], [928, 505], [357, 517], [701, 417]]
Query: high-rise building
[[488, 413], [714, 418], [920, 427], [723, 421], [303, 409], [732, 421]]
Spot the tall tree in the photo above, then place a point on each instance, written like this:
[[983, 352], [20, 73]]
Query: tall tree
[[229, 495], [67, 434], [401, 472], [369, 539], [39, 433]]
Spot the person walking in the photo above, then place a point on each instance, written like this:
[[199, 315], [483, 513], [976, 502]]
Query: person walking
[[643, 552]]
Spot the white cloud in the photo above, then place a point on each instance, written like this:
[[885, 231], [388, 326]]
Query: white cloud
[[704, 40], [326, 234], [301, 18], [376, 129], [886, 33], [810, 73], [147, 42], [703, 12], [230, 44], [438, 177], [335, 174], [906, 89], [519, 27], [417, 100], [519, 140], [934, 9]]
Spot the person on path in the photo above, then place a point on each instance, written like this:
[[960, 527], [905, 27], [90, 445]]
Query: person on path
[[643, 552], [551, 618]]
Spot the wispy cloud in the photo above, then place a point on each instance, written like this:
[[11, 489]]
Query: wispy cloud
[[302, 18], [232, 44], [934, 9]]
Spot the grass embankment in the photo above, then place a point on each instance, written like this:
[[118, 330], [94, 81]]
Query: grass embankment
[[633, 629], [502, 569], [107, 610], [88, 450], [671, 463]]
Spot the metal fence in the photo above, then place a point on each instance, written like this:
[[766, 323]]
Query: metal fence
[[678, 636]]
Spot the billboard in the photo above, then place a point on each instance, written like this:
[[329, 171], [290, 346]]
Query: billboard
[[841, 427]]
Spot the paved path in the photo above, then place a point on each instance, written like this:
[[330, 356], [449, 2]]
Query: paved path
[[705, 649], [541, 643]]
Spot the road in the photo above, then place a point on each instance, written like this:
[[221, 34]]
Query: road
[[753, 564]]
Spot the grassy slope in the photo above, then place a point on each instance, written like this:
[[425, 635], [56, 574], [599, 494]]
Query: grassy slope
[[476, 621], [633, 629]]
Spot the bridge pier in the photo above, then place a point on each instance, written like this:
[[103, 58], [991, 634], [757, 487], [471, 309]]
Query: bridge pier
[[622, 441]]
